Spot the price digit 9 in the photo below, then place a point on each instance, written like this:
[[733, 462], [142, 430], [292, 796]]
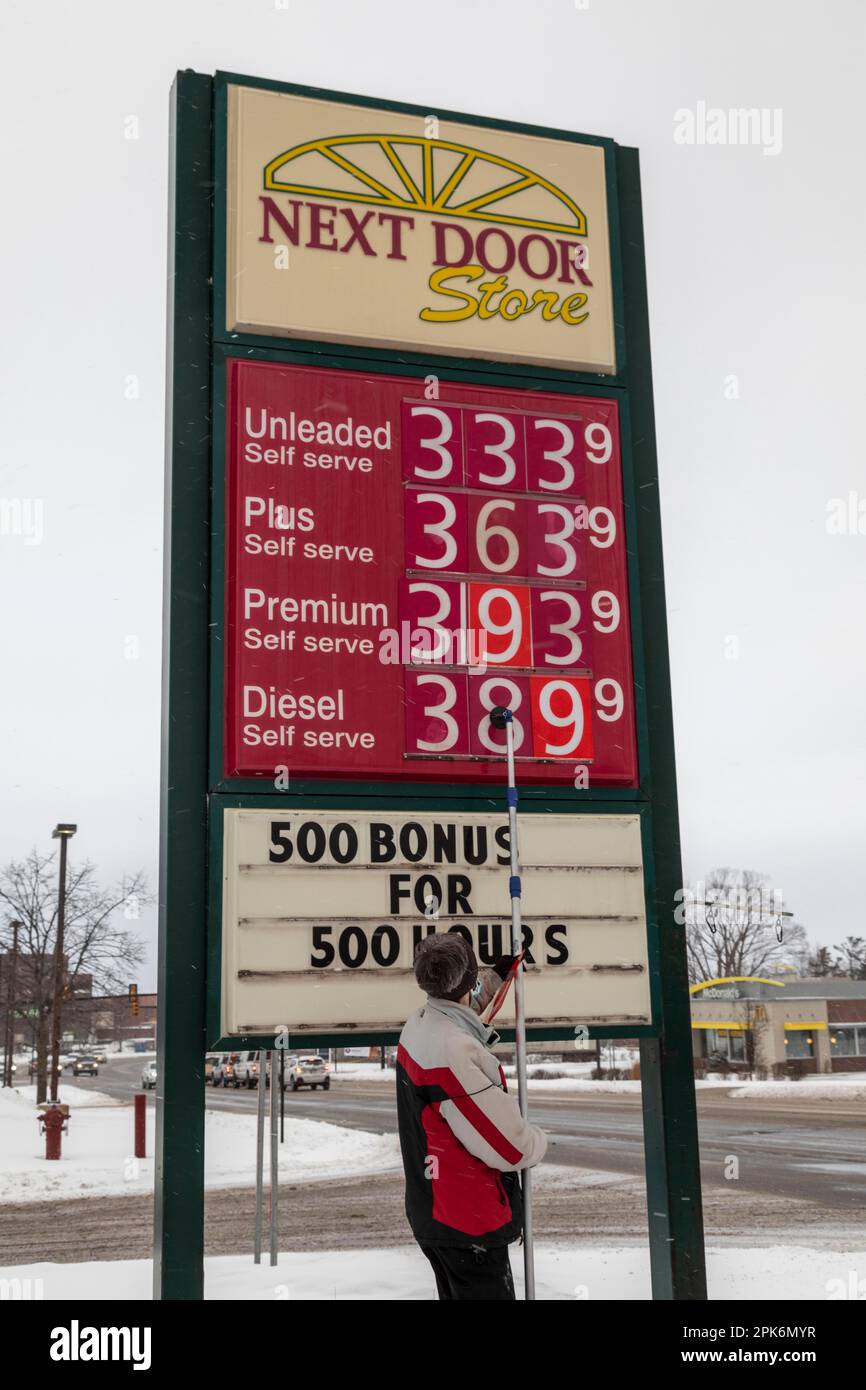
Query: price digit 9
[[559, 705], [602, 525], [609, 697], [605, 606], [599, 442], [513, 627]]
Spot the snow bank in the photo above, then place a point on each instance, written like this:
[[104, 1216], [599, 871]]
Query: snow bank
[[98, 1160], [843, 1087], [67, 1095], [778, 1272]]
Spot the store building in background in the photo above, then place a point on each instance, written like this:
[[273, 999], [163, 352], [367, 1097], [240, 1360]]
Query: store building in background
[[779, 1027]]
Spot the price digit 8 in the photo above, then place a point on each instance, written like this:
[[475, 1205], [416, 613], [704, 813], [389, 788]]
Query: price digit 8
[[513, 700]]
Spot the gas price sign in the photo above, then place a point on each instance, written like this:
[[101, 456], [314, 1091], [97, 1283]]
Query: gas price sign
[[403, 555]]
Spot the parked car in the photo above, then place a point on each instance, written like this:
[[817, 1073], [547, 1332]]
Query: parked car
[[309, 1071], [85, 1066], [209, 1062], [148, 1076], [224, 1069], [247, 1069]]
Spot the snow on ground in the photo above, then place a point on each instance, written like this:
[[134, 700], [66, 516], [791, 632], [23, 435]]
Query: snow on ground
[[396, 1275], [69, 1095], [841, 1086], [98, 1157]]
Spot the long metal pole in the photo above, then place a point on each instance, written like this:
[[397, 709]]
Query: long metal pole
[[57, 1001], [282, 1095], [260, 1158], [10, 1008], [275, 1155], [519, 1002]]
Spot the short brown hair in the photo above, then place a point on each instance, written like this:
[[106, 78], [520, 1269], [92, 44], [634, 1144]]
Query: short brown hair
[[445, 965]]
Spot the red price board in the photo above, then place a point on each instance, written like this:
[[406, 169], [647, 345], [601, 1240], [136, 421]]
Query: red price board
[[404, 554]]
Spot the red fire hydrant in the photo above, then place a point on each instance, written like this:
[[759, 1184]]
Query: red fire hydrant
[[54, 1119]]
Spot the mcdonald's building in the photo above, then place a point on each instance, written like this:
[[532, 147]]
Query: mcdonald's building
[[779, 1027]]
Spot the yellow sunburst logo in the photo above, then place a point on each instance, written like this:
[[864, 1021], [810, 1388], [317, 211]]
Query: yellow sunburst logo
[[414, 173]]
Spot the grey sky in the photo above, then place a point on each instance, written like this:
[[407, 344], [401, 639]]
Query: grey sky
[[755, 274]]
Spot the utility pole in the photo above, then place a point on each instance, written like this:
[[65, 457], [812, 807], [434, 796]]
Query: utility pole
[[9, 1039], [63, 833]]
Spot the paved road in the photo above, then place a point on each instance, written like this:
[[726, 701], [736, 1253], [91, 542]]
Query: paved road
[[802, 1180], [814, 1152]]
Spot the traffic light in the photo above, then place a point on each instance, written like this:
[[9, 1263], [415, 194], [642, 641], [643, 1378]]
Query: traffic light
[[133, 1000]]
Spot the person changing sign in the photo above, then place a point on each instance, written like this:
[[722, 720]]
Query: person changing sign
[[462, 1135]]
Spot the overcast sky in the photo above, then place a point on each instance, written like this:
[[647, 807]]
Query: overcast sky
[[756, 284]]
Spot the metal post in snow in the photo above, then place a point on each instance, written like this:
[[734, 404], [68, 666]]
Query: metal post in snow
[[275, 1157], [260, 1157], [501, 718], [282, 1095]]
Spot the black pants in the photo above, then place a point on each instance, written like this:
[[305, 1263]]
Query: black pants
[[476, 1273]]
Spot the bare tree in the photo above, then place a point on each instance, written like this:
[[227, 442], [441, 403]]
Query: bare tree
[[733, 924], [98, 949], [821, 964], [851, 958]]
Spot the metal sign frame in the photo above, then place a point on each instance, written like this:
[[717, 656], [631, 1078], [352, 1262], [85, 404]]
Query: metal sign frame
[[240, 1042], [192, 790]]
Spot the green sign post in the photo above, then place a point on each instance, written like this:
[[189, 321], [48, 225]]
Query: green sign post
[[218, 319]]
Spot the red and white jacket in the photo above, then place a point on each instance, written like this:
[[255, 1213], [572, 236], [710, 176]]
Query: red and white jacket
[[462, 1135]]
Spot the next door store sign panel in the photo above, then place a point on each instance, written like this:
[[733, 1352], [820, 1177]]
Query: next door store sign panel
[[349, 222], [401, 556]]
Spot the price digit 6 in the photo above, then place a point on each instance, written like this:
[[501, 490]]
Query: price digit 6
[[484, 534]]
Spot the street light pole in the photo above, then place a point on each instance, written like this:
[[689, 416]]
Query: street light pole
[[63, 833], [9, 1039]]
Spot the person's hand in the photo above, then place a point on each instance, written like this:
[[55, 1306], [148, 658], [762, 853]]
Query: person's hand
[[503, 965]]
